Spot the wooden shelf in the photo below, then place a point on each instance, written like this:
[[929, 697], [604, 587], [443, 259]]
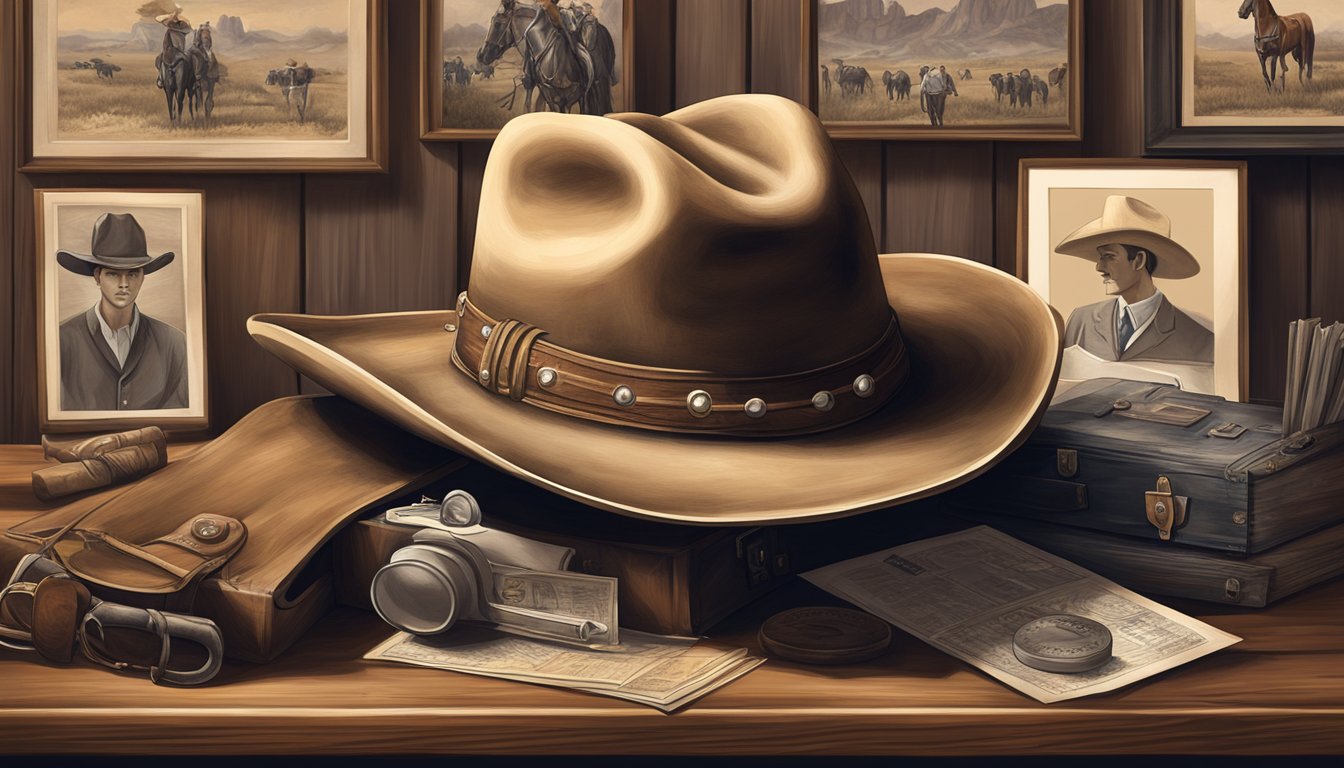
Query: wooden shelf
[[1281, 691]]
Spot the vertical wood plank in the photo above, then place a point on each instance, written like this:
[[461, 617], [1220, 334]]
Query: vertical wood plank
[[779, 53], [940, 199], [474, 155], [863, 159], [1277, 267], [711, 48], [655, 45], [8, 242], [1327, 238], [378, 243], [1006, 157], [253, 264], [1113, 68]]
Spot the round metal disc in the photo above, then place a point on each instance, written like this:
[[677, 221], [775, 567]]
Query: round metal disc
[[1062, 643], [825, 635]]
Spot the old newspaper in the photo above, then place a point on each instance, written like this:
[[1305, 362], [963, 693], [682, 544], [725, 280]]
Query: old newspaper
[[662, 672], [966, 594]]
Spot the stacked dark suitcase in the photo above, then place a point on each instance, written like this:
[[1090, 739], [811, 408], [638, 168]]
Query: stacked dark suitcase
[[1173, 493]]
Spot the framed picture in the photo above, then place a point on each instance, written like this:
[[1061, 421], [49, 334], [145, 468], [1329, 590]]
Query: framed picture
[[1145, 260], [948, 69], [1243, 76], [225, 85], [121, 310], [482, 62]]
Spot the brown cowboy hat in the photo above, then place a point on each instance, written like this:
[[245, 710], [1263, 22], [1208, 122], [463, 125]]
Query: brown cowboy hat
[[118, 243], [1130, 221], [685, 318]]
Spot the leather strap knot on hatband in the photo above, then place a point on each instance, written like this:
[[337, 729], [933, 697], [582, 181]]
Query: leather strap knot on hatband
[[511, 358]]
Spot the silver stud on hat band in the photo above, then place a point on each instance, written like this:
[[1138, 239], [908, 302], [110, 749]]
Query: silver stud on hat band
[[755, 407], [823, 401], [699, 403], [485, 376], [624, 396], [546, 377], [485, 331], [461, 303], [863, 386]]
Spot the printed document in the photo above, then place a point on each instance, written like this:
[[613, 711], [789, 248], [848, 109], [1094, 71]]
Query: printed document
[[967, 593], [663, 672]]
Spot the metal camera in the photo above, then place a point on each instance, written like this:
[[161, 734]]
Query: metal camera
[[458, 570]]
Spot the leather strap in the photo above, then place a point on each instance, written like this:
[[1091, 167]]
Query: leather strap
[[511, 358]]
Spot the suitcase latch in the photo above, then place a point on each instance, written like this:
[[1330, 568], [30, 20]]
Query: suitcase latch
[[1165, 510], [754, 550], [1066, 462]]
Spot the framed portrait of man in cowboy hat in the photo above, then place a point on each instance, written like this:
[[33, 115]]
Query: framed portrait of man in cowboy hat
[[1145, 262], [121, 320]]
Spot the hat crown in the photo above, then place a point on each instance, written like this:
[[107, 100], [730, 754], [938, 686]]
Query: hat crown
[[1122, 211], [118, 235], [723, 237]]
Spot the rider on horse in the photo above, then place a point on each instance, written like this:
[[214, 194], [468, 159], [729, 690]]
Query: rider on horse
[[174, 40]]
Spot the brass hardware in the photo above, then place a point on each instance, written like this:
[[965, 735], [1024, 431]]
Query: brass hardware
[[1231, 588], [1238, 518], [1066, 462], [1165, 511]]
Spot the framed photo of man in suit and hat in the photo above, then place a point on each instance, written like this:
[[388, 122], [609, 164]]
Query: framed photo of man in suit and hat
[[121, 315], [1145, 263]]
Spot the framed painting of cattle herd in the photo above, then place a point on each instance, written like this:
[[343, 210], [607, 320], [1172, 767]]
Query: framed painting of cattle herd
[[1145, 260], [947, 69], [202, 85], [484, 62], [1244, 76], [121, 309]]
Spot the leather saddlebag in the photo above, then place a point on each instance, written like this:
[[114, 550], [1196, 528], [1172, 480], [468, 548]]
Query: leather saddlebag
[[284, 480]]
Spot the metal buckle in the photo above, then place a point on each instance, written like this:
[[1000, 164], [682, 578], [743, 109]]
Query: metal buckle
[[166, 626], [1165, 510]]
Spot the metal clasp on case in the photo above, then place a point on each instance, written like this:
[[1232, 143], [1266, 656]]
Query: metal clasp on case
[[1165, 510]]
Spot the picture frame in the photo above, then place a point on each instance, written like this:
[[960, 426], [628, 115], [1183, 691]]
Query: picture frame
[[1168, 74], [847, 116], [89, 97], [1201, 207], [457, 105], [92, 374]]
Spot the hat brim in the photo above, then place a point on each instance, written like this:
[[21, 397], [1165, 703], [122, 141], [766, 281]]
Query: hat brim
[[1174, 262], [84, 263], [985, 356]]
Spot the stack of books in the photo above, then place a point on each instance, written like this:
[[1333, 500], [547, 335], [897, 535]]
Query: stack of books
[[1314, 395]]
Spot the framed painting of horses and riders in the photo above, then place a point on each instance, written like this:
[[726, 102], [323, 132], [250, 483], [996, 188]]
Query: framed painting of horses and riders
[[1244, 76], [948, 69], [121, 309], [202, 85], [484, 62]]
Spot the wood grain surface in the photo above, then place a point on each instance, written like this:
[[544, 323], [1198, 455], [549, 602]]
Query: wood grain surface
[[1327, 238], [384, 242], [780, 43], [1278, 273], [712, 41], [940, 199], [1277, 692], [8, 241], [1113, 78]]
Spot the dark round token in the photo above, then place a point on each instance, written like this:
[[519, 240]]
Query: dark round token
[[1062, 643], [825, 635]]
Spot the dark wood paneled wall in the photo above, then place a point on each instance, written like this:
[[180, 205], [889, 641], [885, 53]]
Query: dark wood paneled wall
[[403, 241]]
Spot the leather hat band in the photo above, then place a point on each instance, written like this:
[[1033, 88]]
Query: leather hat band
[[513, 359]]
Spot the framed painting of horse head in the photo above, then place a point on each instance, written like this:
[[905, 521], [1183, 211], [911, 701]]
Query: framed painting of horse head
[[947, 69], [484, 62], [1244, 76], [202, 85]]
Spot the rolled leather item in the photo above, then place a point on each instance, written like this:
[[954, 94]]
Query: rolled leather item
[[92, 447], [110, 468]]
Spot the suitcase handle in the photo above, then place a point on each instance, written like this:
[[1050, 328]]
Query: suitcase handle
[[1043, 494]]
